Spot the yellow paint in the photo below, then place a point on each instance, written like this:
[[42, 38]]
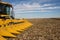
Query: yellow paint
[[7, 30], [11, 30], [3, 32], [2, 38], [22, 26]]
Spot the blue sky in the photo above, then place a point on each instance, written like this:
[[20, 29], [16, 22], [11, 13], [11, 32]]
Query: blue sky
[[36, 8]]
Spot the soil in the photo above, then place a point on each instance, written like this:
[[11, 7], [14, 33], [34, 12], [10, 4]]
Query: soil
[[42, 29]]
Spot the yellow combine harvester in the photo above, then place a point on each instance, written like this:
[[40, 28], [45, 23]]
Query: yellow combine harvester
[[8, 24]]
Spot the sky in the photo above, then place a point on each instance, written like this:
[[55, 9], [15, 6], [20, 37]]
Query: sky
[[36, 8]]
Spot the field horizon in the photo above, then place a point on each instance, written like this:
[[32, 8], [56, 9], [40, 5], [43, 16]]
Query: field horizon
[[42, 29]]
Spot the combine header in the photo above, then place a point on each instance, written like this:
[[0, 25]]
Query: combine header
[[8, 24]]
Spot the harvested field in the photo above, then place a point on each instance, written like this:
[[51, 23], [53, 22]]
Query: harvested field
[[42, 29]]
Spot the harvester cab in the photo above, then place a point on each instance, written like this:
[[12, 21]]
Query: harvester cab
[[8, 24], [6, 10]]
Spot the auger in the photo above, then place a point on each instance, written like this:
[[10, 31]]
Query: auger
[[8, 24]]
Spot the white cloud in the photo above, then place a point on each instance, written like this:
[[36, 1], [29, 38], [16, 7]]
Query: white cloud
[[48, 5], [27, 7], [51, 8]]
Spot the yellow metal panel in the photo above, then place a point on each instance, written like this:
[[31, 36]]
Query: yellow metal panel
[[7, 21], [3, 32], [1, 22], [22, 26], [2, 38], [15, 20], [16, 27], [8, 28], [11, 30]]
